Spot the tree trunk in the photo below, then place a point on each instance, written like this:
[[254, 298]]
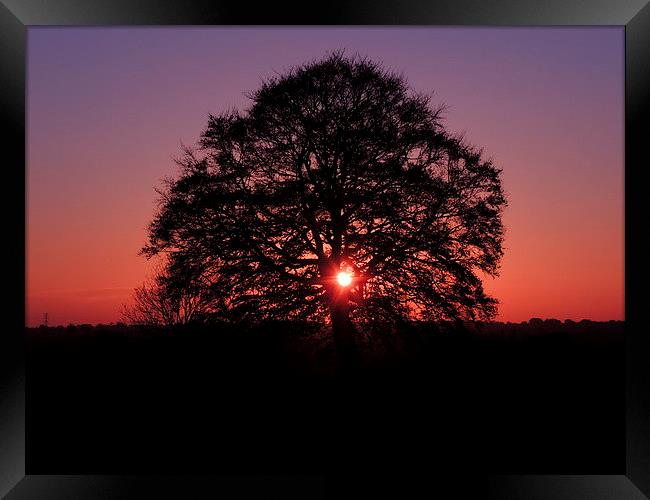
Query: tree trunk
[[344, 333]]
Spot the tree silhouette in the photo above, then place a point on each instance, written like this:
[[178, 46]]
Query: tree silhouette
[[336, 166], [157, 302]]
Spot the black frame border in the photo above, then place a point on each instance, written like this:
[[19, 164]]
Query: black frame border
[[17, 15]]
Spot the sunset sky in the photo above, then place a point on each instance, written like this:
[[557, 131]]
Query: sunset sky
[[108, 108]]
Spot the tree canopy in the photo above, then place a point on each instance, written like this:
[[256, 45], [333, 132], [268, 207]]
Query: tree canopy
[[336, 165]]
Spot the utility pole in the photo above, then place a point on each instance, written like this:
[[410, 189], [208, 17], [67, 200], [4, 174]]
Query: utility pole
[[45, 323]]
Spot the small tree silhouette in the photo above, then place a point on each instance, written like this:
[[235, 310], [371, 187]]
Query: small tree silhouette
[[158, 303], [335, 167]]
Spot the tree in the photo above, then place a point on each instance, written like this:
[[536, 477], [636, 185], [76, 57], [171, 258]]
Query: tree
[[158, 303], [336, 166]]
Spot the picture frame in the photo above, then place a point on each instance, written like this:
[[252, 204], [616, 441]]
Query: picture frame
[[16, 16]]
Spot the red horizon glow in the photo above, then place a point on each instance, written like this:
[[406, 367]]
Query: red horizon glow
[[107, 108]]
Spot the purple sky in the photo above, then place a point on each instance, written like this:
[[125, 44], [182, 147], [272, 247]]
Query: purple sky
[[108, 107]]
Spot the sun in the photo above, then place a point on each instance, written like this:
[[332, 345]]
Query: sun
[[344, 278]]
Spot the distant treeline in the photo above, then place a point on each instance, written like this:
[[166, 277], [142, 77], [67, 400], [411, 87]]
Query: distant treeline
[[532, 326]]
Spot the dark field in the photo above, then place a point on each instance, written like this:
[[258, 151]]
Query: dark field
[[541, 397]]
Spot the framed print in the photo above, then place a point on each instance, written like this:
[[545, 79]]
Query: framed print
[[381, 248]]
